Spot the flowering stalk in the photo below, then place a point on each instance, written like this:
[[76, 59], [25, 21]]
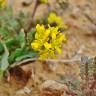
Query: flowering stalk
[[37, 3], [47, 41], [35, 8]]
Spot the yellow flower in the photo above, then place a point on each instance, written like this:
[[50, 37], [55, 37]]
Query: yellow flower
[[61, 37], [53, 18], [58, 50], [40, 28], [47, 45], [36, 45], [43, 1], [39, 31], [54, 32], [46, 53], [47, 41], [47, 33], [3, 3]]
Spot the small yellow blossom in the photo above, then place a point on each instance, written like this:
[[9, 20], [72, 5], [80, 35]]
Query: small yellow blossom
[[3, 3], [53, 18], [40, 31], [61, 37], [47, 45], [36, 45], [54, 32], [47, 41], [46, 53], [58, 50], [43, 1]]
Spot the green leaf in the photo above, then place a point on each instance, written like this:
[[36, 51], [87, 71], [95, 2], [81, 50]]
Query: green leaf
[[27, 55], [11, 43], [21, 38], [31, 35], [4, 32], [18, 52], [4, 61], [1, 48], [13, 25]]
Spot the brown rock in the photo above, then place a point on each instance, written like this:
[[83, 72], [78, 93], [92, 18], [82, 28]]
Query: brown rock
[[52, 88]]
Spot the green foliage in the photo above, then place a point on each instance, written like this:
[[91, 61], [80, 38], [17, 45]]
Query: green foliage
[[14, 44], [3, 32], [31, 54], [18, 52], [21, 38], [4, 60], [1, 48], [4, 64], [31, 35], [11, 43]]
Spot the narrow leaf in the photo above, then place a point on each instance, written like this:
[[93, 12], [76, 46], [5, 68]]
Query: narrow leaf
[[4, 60]]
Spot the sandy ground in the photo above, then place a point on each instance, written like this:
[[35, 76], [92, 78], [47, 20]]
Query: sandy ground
[[80, 33]]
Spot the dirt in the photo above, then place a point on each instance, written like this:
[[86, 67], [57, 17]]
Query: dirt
[[81, 32]]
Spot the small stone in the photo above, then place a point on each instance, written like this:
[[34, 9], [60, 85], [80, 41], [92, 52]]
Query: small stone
[[52, 88]]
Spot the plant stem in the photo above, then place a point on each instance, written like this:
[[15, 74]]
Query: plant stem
[[35, 8], [32, 16], [26, 61]]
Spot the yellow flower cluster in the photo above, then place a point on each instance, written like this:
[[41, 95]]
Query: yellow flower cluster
[[43, 1], [53, 18], [3, 3], [47, 41]]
